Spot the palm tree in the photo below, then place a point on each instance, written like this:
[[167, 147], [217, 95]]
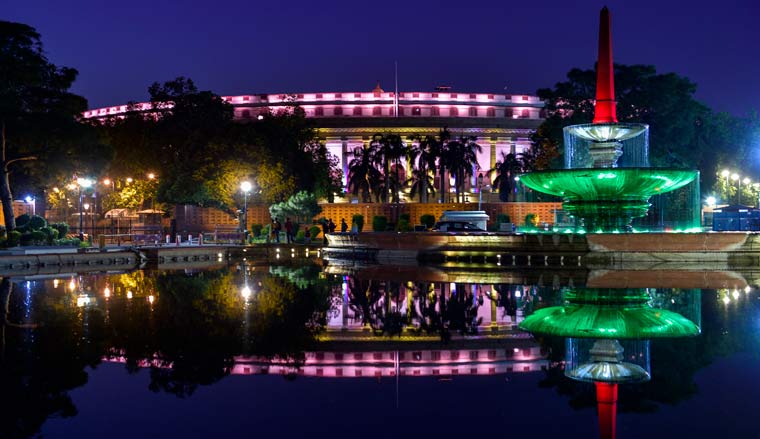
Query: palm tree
[[428, 149], [363, 176], [509, 167], [461, 159], [389, 149]]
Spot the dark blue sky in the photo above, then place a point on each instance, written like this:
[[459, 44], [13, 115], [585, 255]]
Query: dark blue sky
[[250, 46]]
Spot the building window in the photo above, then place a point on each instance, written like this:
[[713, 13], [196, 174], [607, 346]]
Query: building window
[[338, 95], [338, 111], [319, 111], [357, 95], [490, 97], [453, 96], [454, 112], [246, 98], [246, 114], [508, 112], [525, 98], [435, 356], [490, 112], [416, 111], [472, 96], [300, 96], [525, 114], [319, 95], [473, 111], [415, 95], [435, 111], [473, 355], [400, 111], [357, 111], [435, 95], [377, 111]]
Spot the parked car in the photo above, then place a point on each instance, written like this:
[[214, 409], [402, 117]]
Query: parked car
[[456, 226]]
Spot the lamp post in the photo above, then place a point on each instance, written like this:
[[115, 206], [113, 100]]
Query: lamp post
[[480, 191], [726, 174], [82, 183], [246, 187], [746, 182], [151, 177], [735, 177], [30, 200]]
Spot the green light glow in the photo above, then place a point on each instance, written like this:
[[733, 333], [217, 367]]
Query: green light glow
[[607, 200], [608, 313]]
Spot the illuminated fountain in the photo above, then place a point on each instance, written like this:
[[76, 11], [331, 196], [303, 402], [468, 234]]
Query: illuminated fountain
[[607, 180], [608, 333]]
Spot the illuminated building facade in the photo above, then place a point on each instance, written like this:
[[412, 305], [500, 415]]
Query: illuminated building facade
[[347, 120]]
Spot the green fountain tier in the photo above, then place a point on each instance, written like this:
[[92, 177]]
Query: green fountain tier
[[607, 199], [608, 314]]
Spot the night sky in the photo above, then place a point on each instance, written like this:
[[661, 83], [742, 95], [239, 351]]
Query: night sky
[[250, 46]]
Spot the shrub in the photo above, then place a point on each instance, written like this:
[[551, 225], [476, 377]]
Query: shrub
[[503, 218], [256, 230], [299, 236], [39, 237], [428, 220], [315, 231], [63, 229], [26, 239], [405, 216], [51, 234], [379, 223], [68, 242], [14, 238], [22, 220], [359, 221], [2, 231], [37, 222], [531, 220], [403, 225]]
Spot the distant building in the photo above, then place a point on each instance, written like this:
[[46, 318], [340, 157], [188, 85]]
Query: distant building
[[347, 120]]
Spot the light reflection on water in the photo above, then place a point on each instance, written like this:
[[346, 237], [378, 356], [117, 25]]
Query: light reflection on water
[[195, 329]]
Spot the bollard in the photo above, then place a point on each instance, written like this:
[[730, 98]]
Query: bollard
[[189, 239], [179, 239], [200, 239], [168, 239]]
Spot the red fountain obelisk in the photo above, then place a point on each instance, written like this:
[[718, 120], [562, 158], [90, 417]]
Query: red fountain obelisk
[[604, 110]]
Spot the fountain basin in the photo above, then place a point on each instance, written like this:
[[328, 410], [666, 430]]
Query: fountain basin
[[607, 132], [607, 199]]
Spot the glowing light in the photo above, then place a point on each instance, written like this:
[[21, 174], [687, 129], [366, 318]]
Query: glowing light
[[84, 182], [746, 180], [711, 201], [725, 173], [735, 294], [107, 292], [151, 176], [151, 298], [107, 182], [129, 294], [726, 300], [72, 285], [246, 292], [55, 283], [747, 289], [129, 180], [246, 186], [734, 177], [218, 255], [83, 300], [28, 199]]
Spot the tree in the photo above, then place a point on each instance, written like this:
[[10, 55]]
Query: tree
[[302, 206], [389, 149], [663, 101], [363, 176], [428, 150], [509, 167], [39, 117], [460, 158]]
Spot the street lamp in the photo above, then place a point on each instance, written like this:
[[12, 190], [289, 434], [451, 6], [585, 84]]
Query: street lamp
[[30, 200], [746, 182], [735, 177], [246, 187], [82, 183], [480, 190]]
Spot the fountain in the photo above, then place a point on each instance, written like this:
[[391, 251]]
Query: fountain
[[607, 180]]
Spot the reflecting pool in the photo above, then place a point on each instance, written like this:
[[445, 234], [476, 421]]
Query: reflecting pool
[[303, 349]]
